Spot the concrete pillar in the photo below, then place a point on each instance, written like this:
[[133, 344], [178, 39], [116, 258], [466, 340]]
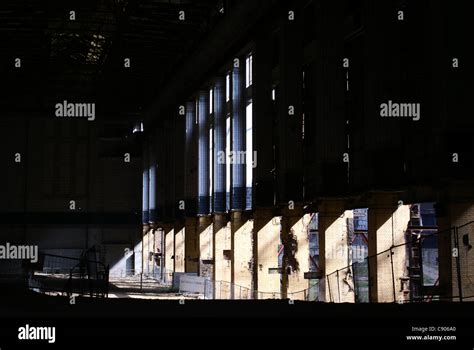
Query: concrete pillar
[[161, 173], [456, 214], [146, 229], [206, 250], [158, 260], [263, 121], [166, 168], [387, 224], [446, 261], [335, 259], [267, 229], [242, 255], [169, 251], [297, 284], [222, 256], [138, 255], [179, 246], [191, 243], [151, 246], [146, 265], [326, 173], [294, 238], [179, 156], [191, 246]]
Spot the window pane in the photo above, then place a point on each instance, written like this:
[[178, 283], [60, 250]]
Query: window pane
[[227, 163], [211, 161], [248, 71], [249, 156], [211, 102]]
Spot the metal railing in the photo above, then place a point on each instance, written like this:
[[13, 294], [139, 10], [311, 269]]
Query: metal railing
[[163, 278], [417, 270], [230, 291], [69, 276], [427, 265]]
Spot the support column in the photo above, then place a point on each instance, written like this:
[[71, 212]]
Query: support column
[[159, 257], [138, 255], [179, 205], [145, 250], [145, 207], [151, 247], [267, 229], [145, 183], [242, 255], [332, 247], [169, 252], [290, 111], [206, 256], [152, 212], [166, 168], [191, 246], [206, 250], [222, 256], [263, 123], [454, 278], [446, 261], [387, 224], [191, 243], [179, 246], [296, 253], [327, 173], [297, 284], [152, 208]]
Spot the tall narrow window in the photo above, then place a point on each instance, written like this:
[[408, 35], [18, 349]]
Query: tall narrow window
[[227, 88], [211, 168], [138, 127], [249, 155], [359, 252], [211, 101], [211, 148], [248, 71], [197, 112], [227, 161]]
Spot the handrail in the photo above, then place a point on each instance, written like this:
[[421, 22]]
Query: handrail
[[391, 248], [466, 224], [257, 292], [83, 263], [351, 266]]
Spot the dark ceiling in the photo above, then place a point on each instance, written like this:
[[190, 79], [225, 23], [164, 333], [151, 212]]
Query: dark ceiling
[[82, 60]]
